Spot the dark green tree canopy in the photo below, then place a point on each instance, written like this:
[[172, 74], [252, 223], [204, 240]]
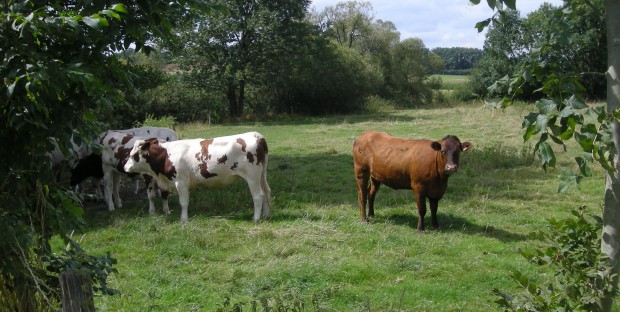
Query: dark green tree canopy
[[458, 60]]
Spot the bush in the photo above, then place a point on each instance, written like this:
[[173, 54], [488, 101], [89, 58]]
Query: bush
[[579, 282], [152, 121]]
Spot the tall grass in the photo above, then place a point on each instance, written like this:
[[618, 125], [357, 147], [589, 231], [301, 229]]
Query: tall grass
[[314, 252], [455, 89]]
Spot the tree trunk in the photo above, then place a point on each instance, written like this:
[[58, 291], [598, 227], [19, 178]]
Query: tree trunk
[[611, 214], [232, 99], [241, 102], [77, 293]]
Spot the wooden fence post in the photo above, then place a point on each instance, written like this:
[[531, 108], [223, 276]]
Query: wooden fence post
[[77, 291]]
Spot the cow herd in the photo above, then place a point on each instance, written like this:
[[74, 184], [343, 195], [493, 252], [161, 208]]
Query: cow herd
[[168, 164]]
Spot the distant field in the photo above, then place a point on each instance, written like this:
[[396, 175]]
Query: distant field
[[454, 88], [453, 79], [315, 252]]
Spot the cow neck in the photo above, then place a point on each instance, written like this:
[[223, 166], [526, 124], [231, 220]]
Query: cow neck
[[160, 163], [440, 165]]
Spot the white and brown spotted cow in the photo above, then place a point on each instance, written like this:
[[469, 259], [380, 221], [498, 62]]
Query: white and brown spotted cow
[[115, 148], [181, 165]]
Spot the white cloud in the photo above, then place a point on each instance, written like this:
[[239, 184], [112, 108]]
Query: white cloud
[[439, 23]]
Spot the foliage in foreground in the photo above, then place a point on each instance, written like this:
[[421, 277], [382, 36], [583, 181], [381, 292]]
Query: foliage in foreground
[[59, 77], [579, 283]]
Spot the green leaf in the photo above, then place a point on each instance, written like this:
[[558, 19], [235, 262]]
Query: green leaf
[[585, 140], [584, 169], [557, 141], [521, 279], [567, 111], [119, 7], [491, 3], [567, 134], [112, 14], [545, 106], [568, 179], [541, 122], [511, 4], [576, 103], [483, 24], [547, 156], [92, 22]]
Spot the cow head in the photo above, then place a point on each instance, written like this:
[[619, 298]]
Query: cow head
[[451, 147], [149, 157], [137, 161]]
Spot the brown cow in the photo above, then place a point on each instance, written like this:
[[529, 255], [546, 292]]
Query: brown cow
[[423, 166]]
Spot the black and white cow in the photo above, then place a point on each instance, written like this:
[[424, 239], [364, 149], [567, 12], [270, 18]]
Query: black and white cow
[[181, 165]]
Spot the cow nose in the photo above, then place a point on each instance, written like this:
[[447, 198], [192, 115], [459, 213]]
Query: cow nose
[[451, 168]]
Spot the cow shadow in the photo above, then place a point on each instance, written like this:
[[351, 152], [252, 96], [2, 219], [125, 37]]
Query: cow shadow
[[325, 180], [450, 223]]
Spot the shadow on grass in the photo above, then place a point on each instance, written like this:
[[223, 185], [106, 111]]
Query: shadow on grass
[[283, 120], [450, 223], [301, 183]]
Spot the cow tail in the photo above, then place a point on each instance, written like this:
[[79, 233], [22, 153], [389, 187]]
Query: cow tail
[[263, 181], [263, 176]]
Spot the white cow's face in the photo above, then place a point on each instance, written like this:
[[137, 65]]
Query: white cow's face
[[136, 163]]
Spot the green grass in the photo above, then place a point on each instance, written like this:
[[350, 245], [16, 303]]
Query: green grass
[[316, 251], [455, 89]]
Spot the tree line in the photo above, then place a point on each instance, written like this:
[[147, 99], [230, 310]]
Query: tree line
[[280, 57]]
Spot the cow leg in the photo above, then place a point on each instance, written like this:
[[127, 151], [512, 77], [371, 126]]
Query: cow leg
[[109, 187], [183, 191], [150, 192], [164, 202], [420, 201], [434, 203], [362, 177], [117, 185], [373, 188], [257, 197]]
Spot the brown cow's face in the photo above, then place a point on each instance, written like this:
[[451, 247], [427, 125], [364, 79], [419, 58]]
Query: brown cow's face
[[451, 147]]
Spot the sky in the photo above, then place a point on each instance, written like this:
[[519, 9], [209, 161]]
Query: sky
[[439, 23]]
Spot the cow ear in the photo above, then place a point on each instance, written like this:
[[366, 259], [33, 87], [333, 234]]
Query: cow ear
[[466, 146], [436, 146], [143, 145]]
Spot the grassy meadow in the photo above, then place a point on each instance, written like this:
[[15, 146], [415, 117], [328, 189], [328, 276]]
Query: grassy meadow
[[314, 251]]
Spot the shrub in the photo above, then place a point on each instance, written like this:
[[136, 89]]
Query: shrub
[[152, 121], [573, 250]]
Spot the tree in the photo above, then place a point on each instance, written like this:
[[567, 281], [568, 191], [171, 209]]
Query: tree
[[412, 63], [458, 60], [513, 41], [227, 51], [563, 115], [505, 48], [347, 22], [59, 74]]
